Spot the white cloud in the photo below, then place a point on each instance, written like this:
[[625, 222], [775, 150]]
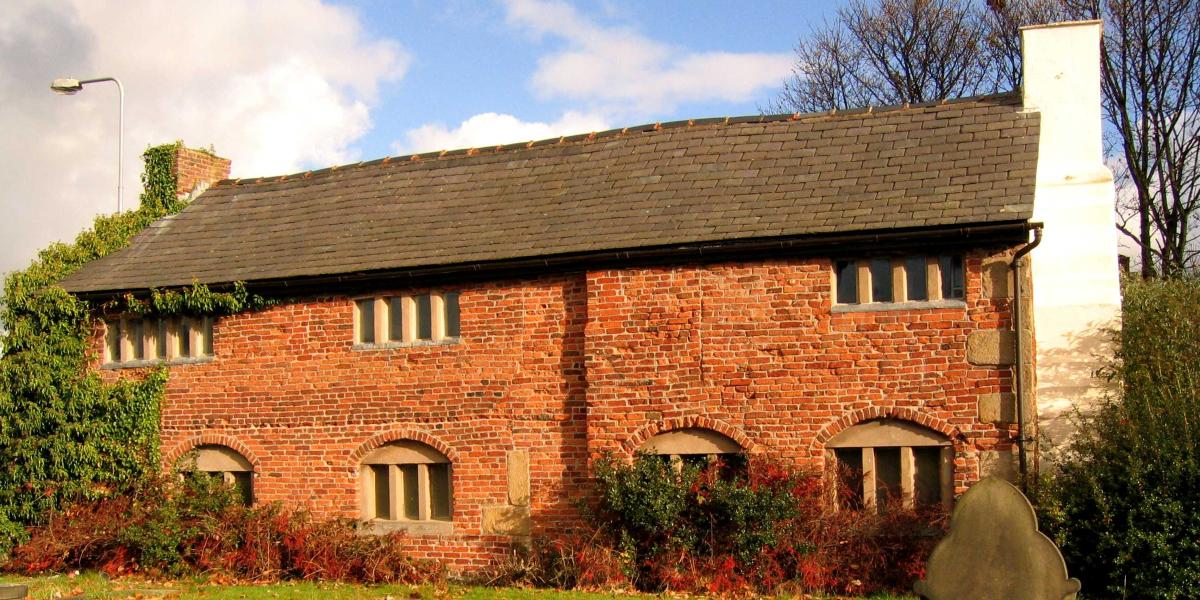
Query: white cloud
[[277, 87], [623, 72], [491, 129]]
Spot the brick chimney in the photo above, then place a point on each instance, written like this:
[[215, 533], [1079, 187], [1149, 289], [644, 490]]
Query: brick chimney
[[196, 169]]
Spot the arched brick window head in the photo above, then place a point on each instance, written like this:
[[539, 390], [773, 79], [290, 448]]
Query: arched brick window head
[[406, 481], [698, 447], [888, 460], [228, 465]]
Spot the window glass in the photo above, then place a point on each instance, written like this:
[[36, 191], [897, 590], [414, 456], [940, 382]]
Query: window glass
[[450, 301], [915, 276], [439, 491], [382, 491], [881, 280], [185, 337], [206, 332], [424, 314], [366, 321], [887, 475], [850, 474], [412, 491], [113, 341], [396, 319], [160, 339], [927, 487], [847, 281], [135, 340], [953, 277], [242, 481]]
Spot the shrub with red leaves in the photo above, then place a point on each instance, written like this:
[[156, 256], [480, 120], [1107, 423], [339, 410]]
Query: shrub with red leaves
[[196, 526]]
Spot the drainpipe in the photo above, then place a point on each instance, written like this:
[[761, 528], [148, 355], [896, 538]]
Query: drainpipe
[[1019, 364]]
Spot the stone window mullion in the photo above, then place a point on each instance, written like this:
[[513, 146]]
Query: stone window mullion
[[396, 492], [933, 271], [864, 282], [423, 507], [868, 477], [907, 476]]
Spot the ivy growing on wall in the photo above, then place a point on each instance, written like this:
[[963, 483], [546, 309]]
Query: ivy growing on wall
[[65, 434]]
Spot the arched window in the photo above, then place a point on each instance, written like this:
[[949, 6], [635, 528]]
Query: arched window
[[887, 459], [406, 481], [226, 464], [698, 447]]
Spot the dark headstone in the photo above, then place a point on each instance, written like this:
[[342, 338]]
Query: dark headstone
[[994, 551]]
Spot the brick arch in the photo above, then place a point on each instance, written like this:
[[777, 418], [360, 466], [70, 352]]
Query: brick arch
[[911, 415], [640, 436], [401, 434], [212, 438]]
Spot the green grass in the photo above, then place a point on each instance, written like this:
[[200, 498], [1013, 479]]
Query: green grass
[[97, 587]]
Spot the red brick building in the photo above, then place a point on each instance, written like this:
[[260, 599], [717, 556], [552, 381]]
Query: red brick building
[[458, 334]]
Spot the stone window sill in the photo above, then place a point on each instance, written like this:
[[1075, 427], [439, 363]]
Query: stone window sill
[[442, 528], [450, 341], [134, 364], [886, 306]]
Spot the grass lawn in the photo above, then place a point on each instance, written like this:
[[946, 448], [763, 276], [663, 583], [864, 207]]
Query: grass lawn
[[96, 587]]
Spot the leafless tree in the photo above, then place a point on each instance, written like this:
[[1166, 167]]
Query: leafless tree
[[889, 52], [883, 52], [1151, 83]]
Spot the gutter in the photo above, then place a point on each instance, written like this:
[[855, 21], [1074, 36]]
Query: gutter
[[1019, 370], [833, 244]]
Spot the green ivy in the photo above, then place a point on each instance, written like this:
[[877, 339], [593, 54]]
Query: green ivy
[[65, 434]]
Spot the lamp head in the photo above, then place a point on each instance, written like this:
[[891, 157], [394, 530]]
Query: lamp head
[[66, 87]]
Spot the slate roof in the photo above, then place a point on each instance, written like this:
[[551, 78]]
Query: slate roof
[[969, 161]]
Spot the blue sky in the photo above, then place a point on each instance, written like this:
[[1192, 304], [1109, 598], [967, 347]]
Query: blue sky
[[281, 86]]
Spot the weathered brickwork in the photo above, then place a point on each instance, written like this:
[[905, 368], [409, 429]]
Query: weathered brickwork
[[568, 366]]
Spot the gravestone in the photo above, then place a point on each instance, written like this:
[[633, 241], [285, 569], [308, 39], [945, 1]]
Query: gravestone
[[994, 551]]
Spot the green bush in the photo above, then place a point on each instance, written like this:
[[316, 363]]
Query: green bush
[[1124, 502], [768, 529]]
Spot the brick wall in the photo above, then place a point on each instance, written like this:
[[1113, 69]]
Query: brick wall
[[568, 366]]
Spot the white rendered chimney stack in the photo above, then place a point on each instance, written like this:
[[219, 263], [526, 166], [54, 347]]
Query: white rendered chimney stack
[[1076, 282]]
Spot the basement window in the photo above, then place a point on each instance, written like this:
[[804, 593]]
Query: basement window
[[137, 341], [407, 481], [228, 466], [887, 460], [877, 283], [393, 321], [698, 448]]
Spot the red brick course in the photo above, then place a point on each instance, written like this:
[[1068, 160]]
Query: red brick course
[[568, 366]]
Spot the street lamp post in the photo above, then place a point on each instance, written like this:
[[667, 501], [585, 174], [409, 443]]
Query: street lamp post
[[69, 87]]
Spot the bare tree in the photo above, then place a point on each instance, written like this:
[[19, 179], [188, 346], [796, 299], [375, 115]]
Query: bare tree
[[1151, 83], [889, 52]]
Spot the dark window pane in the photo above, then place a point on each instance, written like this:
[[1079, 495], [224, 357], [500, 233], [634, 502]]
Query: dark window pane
[[850, 476], [366, 321], [242, 481], [113, 339], [887, 475], [412, 492], [424, 312], [914, 273], [135, 339], [450, 300], [953, 278], [160, 339], [733, 466], [439, 491], [185, 337], [383, 491], [847, 281], [206, 329], [881, 280], [927, 482], [396, 319]]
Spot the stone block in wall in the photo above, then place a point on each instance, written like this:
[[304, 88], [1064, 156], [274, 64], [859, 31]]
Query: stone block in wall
[[997, 278], [518, 477], [998, 463], [998, 408], [507, 520], [991, 347]]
